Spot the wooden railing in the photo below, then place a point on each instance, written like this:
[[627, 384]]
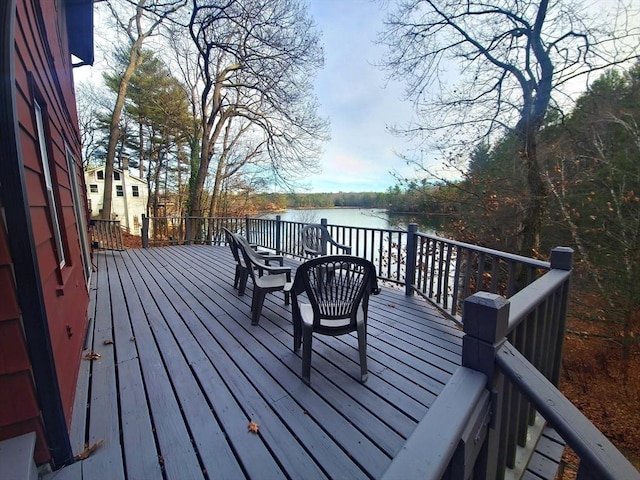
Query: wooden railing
[[514, 322], [490, 414], [106, 234], [441, 270]]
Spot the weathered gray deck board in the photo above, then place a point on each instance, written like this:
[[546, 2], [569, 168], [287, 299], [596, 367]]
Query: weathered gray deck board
[[136, 424], [268, 388], [194, 352], [103, 396], [173, 395], [170, 384]]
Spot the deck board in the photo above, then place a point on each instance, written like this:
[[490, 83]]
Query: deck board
[[103, 396], [173, 395], [263, 384]]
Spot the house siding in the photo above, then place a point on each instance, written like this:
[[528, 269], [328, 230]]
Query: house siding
[[127, 208], [18, 413], [42, 73]]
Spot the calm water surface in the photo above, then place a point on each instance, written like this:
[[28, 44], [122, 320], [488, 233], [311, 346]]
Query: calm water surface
[[359, 217]]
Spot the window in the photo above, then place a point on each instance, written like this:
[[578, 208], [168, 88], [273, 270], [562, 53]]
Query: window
[[119, 191], [135, 191], [93, 188], [46, 170], [116, 175], [100, 174], [78, 208]]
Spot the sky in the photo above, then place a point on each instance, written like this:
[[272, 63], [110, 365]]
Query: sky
[[358, 101], [356, 98], [352, 94]]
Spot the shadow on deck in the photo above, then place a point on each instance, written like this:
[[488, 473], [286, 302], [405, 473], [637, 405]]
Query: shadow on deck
[[182, 372]]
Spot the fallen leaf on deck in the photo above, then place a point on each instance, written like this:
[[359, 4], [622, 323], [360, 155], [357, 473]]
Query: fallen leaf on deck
[[92, 356], [253, 427], [88, 450], [108, 342]]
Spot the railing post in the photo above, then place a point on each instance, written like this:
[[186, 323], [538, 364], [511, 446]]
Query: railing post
[[485, 319], [325, 240], [410, 267], [187, 230], [144, 231], [278, 234], [561, 259], [246, 228]]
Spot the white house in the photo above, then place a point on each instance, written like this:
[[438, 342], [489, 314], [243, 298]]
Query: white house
[[129, 200]]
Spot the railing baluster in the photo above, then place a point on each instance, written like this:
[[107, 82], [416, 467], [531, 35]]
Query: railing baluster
[[456, 282], [444, 271]]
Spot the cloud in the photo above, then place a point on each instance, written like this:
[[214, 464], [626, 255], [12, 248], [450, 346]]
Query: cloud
[[353, 95]]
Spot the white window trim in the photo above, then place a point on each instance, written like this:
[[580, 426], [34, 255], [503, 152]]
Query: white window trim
[[46, 169], [79, 209]]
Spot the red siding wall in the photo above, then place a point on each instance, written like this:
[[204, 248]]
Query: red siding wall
[[18, 413], [43, 71]]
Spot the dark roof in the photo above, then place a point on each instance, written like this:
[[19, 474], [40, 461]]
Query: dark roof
[[80, 29]]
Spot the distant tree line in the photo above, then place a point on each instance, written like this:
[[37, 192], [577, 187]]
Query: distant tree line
[[260, 202], [416, 198]]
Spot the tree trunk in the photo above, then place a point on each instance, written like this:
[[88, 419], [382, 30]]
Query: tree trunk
[[531, 230], [215, 194], [141, 149], [114, 129]]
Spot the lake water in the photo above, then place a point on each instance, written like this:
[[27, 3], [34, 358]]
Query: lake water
[[359, 217]]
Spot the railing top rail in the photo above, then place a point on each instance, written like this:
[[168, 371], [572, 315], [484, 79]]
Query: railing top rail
[[375, 229], [102, 220], [496, 253], [598, 456], [526, 300], [446, 420]]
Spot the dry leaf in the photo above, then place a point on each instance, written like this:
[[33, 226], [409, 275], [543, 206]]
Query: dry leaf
[[253, 427], [108, 342], [88, 450], [92, 356]]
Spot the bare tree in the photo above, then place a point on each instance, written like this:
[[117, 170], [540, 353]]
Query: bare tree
[[255, 62], [92, 105], [482, 67], [138, 22]]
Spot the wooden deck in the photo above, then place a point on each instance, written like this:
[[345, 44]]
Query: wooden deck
[[182, 372]]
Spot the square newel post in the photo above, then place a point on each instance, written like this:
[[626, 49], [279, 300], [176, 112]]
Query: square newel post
[[410, 267], [325, 239], [187, 230], [278, 234], [485, 319], [145, 231], [561, 259]]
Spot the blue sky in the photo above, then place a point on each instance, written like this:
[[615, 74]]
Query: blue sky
[[355, 97], [353, 94]]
